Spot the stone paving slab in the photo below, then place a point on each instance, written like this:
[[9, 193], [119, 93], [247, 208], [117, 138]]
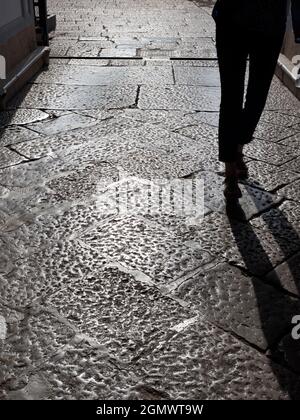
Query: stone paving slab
[[100, 135], [106, 76], [170, 120], [289, 349], [248, 307], [291, 191], [199, 132], [87, 49], [203, 362], [281, 99], [270, 242], [273, 153], [274, 133], [60, 124], [280, 118], [198, 76], [294, 165], [278, 222], [97, 304], [268, 177], [77, 184], [287, 274], [21, 117], [253, 202], [76, 97], [144, 162], [33, 336], [11, 135], [45, 346], [54, 361], [119, 53], [27, 195], [293, 140], [163, 252], [105, 62], [195, 63], [249, 246], [121, 138], [180, 97], [9, 158], [133, 314], [196, 49]]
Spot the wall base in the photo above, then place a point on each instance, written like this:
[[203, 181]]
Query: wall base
[[288, 75], [22, 73]]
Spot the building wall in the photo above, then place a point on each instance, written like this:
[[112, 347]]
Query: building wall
[[17, 31], [10, 10], [289, 62], [290, 48]]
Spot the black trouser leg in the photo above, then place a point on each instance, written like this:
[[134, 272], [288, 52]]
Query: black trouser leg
[[263, 55], [232, 58]]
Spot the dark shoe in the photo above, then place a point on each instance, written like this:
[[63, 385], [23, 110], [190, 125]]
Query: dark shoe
[[241, 167], [232, 190]]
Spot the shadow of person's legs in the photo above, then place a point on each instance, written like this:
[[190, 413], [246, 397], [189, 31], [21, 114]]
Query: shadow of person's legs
[[287, 378]]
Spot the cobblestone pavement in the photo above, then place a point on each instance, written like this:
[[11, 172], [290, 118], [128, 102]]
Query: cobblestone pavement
[[97, 305]]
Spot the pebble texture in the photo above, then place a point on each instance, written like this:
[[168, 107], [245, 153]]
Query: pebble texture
[[96, 303]]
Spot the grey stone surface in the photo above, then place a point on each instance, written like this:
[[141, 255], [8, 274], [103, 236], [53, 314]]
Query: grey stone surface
[[146, 304], [84, 62], [172, 120], [66, 122], [188, 98], [9, 158], [281, 238], [200, 132], [268, 177], [293, 140], [106, 76], [132, 312], [290, 210], [287, 274], [295, 165], [119, 53], [253, 201], [291, 191], [76, 97], [21, 117], [273, 153], [189, 48], [11, 135], [281, 99], [280, 118], [278, 221], [195, 63], [198, 76], [236, 302], [249, 246], [139, 242], [289, 348], [273, 132], [135, 148], [198, 355]]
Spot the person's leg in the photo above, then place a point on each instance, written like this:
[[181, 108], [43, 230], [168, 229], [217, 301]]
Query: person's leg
[[263, 56], [232, 50]]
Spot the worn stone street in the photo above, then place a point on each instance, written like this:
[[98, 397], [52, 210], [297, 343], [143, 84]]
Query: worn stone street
[[105, 305]]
